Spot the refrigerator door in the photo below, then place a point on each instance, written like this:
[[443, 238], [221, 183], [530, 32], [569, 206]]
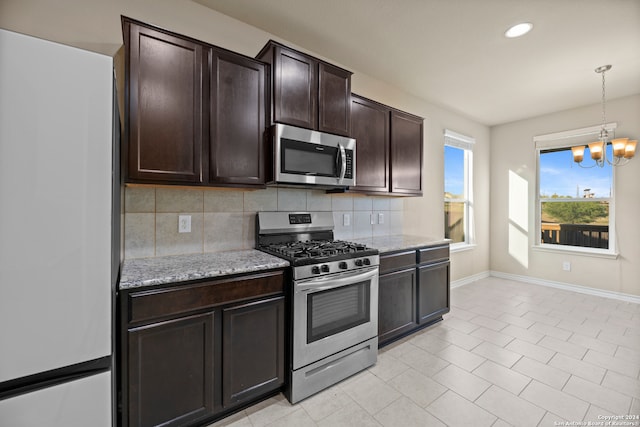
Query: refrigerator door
[[55, 209], [79, 403]]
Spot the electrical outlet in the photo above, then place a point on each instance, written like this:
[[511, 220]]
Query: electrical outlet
[[380, 218], [566, 266], [373, 218], [184, 223], [346, 220]]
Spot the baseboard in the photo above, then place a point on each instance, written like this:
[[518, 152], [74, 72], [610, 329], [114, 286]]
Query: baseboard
[[566, 286], [470, 279]]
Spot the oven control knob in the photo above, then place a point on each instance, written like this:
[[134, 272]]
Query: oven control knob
[[342, 265], [367, 262], [324, 268], [358, 262], [315, 270]]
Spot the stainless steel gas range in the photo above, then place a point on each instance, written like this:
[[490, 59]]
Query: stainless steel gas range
[[334, 299]]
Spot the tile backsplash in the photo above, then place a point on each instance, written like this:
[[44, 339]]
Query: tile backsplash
[[223, 220]]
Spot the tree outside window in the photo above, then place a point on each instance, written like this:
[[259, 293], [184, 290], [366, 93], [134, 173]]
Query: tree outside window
[[574, 202]]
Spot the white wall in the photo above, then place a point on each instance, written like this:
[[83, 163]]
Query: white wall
[[95, 25], [513, 166]]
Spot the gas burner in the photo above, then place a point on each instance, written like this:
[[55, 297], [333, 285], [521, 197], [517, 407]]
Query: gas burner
[[316, 249], [306, 238]]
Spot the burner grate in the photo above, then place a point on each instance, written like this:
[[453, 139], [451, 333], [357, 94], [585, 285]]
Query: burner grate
[[312, 249]]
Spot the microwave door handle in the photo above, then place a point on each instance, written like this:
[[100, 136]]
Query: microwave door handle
[[325, 283], [341, 160]]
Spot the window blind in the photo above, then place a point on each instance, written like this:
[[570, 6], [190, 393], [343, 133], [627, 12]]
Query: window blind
[[458, 140], [573, 137]]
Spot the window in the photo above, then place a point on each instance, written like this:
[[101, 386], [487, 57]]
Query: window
[[458, 194], [574, 204]]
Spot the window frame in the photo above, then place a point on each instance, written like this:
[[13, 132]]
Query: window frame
[[564, 140], [465, 143]]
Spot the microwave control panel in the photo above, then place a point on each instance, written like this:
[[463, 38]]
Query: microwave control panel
[[348, 173]]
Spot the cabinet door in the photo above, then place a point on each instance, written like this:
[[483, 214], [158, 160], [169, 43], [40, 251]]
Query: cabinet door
[[334, 100], [370, 128], [406, 153], [252, 350], [171, 371], [433, 292], [236, 152], [397, 305], [296, 89], [165, 107]]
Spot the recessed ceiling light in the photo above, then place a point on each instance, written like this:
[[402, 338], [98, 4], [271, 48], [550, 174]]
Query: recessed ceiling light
[[518, 30]]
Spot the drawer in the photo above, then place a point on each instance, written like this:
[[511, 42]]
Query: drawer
[[167, 302], [397, 261], [433, 254]]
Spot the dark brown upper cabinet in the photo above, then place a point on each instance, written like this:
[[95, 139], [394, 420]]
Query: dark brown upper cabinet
[[334, 99], [165, 106], [370, 128], [406, 153], [194, 113], [388, 149], [306, 91], [236, 154], [295, 81]]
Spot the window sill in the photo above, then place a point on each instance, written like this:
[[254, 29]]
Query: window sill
[[461, 247], [576, 250]]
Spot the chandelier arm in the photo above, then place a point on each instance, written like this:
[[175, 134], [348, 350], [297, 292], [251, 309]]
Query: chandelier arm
[[587, 167], [617, 161]]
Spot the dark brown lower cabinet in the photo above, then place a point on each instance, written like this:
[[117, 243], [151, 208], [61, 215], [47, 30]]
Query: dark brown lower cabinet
[[413, 291], [252, 350], [397, 307], [433, 291], [192, 353], [171, 371]]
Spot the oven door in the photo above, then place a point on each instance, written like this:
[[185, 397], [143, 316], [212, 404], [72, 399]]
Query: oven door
[[333, 313]]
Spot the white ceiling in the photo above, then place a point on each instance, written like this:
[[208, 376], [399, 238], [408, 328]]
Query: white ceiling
[[452, 53]]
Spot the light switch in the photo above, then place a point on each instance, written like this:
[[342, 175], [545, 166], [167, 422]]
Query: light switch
[[184, 223], [346, 220], [373, 219], [380, 218]]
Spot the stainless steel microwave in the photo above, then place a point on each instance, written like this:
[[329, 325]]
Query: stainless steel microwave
[[311, 158]]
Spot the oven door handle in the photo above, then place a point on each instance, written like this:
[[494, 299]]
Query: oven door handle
[[317, 284]]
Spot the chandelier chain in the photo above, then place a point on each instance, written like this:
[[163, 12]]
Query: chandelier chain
[[622, 150], [604, 119]]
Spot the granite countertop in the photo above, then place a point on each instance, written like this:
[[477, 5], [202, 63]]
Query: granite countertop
[[179, 268], [400, 242]]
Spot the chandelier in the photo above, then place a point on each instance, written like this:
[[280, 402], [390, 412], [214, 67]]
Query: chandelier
[[623, 148]]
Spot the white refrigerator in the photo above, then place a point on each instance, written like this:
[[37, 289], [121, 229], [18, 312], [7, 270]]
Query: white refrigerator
[[59, 233]]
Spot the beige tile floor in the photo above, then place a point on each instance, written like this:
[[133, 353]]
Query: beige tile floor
[[509, 353]]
